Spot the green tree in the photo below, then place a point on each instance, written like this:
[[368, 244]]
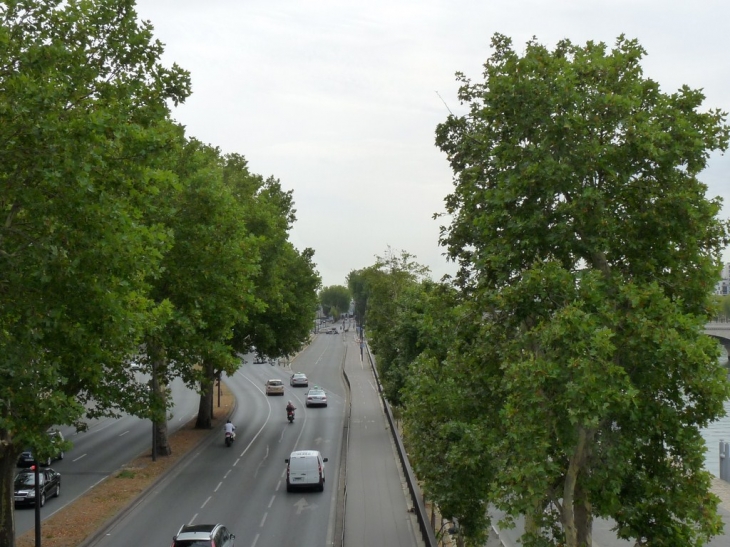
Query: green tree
[[84, 128], [723, 307], [286, 282], [208, 277], [357, 282], [385, 283], [587, 253], [422, 326], [335, 296]]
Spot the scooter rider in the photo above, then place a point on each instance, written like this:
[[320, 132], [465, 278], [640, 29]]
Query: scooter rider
[[230, 428], [290, 408]]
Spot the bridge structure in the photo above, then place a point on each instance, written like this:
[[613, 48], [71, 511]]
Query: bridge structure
[[720, 330]]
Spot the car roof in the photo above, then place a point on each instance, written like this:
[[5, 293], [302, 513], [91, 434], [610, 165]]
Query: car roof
[[31, 470], [196, 530], [303, 453], [273, 380], [298, 374]]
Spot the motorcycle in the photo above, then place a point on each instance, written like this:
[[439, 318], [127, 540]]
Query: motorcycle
[[230, 437], [290, 415]]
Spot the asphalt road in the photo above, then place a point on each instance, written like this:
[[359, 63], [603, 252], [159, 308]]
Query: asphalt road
[[101, 450], [244, 486]]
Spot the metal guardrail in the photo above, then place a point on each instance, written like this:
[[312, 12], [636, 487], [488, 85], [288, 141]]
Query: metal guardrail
[[427, 533]]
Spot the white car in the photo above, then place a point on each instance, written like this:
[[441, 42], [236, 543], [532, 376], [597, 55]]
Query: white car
[[316, 397], [274, 387], [305, 469]]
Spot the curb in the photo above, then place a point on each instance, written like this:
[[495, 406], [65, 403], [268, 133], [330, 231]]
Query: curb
[[340, 511]]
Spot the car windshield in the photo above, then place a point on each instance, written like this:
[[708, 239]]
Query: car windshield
[[26, 479], [274, 382], [316, 393], [192, 543]]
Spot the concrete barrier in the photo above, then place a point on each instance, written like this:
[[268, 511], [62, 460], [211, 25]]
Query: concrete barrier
[[725, 461]]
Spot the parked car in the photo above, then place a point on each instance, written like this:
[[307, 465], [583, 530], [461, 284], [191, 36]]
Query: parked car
[[203, 535], [299, 379], [316, 397], [26, 458], [259, 360], [50, 486], [274, 387], [305, 469]]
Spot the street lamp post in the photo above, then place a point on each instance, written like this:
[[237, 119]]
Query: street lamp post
[[37, 474], [153, 395]]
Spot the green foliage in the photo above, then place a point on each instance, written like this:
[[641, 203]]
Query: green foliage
[[335, 296], [389, 291], [357, 283], [231, 276], [578, 376], [85, 130], [207, 274], [286, 282], [126, 474], [722, 305]]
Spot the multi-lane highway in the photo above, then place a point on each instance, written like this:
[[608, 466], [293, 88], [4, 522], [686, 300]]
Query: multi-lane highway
[[244, 486], [107, 445]]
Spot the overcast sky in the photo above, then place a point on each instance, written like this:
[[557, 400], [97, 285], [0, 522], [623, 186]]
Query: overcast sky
[[340, 99]]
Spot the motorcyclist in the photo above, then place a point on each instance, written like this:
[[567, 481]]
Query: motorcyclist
[[290, 408], [230, 428]]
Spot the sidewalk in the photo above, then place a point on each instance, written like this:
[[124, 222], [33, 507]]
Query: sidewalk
[[376, 494], [722, 490]]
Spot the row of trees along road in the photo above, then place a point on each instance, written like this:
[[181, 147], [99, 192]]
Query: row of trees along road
[[122, 238], [335, 300], [563, 373]]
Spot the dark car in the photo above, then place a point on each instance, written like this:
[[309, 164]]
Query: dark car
[[50, 486], [26, 458], [203, 535]]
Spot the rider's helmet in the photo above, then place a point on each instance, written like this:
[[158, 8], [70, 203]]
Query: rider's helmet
[[228, 421], [288, 402]]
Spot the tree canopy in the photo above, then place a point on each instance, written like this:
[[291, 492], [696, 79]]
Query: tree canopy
[[84, 120], [579, 376], [335, 298], [383, 292], [120, 235]]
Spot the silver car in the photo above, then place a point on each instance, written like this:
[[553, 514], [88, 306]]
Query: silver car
[[299, 379], [203, 535], [316, 397]]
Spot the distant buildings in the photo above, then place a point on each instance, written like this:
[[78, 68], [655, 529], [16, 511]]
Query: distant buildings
[[723, 286]]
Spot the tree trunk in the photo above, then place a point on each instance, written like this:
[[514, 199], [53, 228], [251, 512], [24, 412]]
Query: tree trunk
[[583, 518], [156, 353], [8, 456], [576, 514], [205, 408], [163, 443]]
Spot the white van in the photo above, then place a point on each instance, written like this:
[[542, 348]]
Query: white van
[[305, 469]]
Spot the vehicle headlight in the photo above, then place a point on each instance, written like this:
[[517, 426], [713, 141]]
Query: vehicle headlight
[[31, 493]]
